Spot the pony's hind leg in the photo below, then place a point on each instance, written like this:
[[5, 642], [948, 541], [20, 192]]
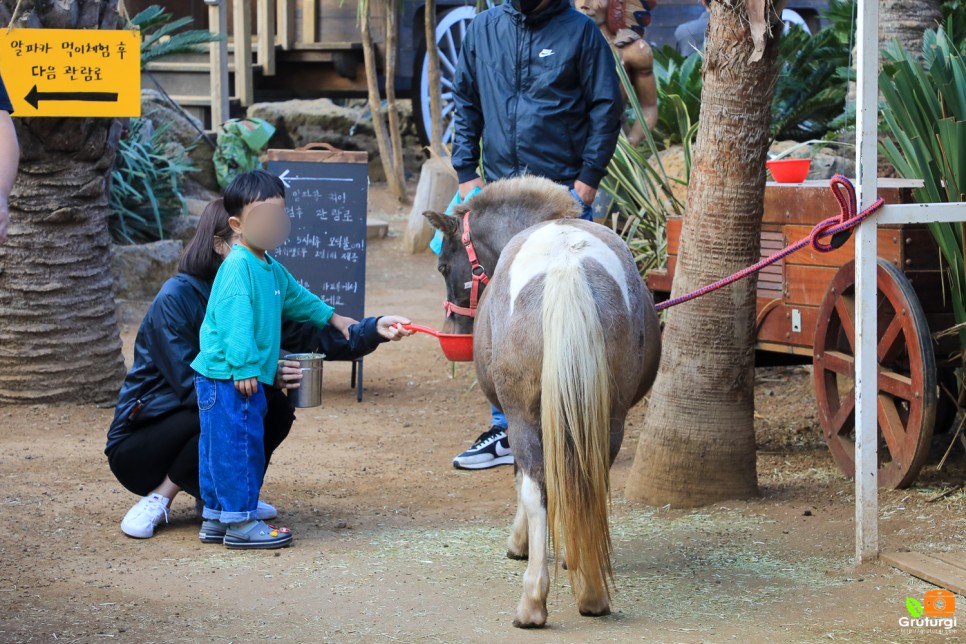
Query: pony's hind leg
[[592, 599], [517, 543], [532, 609]]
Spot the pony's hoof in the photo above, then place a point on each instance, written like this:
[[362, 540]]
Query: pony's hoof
[[517, 556], [530, 615], [595, 612]]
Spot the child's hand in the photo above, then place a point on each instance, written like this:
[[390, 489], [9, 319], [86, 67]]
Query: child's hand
[[342, 323], [247, 387], [390, 327], [288, 374]]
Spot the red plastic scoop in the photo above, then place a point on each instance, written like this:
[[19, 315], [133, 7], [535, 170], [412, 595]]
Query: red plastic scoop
[[458, 347]]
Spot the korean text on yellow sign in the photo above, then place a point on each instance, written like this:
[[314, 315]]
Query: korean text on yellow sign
[[72, 72]]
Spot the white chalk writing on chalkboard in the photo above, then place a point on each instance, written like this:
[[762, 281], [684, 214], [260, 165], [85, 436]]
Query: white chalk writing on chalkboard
[[285, 177], [326, 250]]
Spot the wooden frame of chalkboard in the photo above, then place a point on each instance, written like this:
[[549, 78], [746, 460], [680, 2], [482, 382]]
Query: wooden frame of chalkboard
[[326, 194]]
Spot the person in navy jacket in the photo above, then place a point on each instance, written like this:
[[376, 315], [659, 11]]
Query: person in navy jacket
[[536, 92]]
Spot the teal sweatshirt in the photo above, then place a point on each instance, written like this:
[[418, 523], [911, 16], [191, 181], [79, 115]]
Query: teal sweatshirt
[[242, 331]]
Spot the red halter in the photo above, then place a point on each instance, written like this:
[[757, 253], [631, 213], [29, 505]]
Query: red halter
[[479, 276]]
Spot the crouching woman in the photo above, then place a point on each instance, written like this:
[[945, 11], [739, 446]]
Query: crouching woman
[[152, 444]]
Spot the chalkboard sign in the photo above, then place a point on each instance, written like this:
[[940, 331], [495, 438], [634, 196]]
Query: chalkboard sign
[[325, 194]]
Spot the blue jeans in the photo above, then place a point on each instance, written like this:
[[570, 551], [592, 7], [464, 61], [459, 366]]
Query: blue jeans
[[231, 449], [588, 212], [499, 418]]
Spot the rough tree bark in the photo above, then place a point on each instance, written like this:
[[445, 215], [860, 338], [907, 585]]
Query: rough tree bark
[[59, 339], [907, 20], [698, 442]]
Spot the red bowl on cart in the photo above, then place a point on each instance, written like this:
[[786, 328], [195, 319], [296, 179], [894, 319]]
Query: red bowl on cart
[[789, 170]]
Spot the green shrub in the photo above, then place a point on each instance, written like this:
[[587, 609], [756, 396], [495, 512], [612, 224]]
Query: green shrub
[[161, 36], [145, 183], [677, 76], [954, 22], [925, 112], [810, 92], [640, 188]]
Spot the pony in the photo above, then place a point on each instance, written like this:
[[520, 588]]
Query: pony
[[566, 340]]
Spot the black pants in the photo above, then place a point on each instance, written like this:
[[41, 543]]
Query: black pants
[[168, 446]]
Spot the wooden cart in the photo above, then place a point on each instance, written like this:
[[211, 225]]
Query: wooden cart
[[805, 313]]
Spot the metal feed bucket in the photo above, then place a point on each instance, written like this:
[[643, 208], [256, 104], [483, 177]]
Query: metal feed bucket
[[309, 393]]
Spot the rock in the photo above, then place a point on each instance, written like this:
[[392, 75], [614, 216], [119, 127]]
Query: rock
[[781, 146], [191, 189], [348, 127], [828, 163], [197, 206], [139, 271], [185, 130], [298, 122], [376, 229], [183, 228]]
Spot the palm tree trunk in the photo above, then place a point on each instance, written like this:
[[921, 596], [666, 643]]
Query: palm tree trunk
[[698, 442], [906, 21], [59, 340]]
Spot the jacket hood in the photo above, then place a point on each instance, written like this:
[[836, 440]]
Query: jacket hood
[[555, 7]]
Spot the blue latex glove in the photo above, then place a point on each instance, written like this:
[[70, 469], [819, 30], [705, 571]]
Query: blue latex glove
[[436, 244]]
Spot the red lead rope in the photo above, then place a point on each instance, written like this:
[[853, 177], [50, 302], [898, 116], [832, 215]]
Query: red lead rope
[[479, 276], [847, 219], [844, 193]]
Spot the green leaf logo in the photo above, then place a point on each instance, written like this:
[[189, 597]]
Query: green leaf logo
[[914, 607]]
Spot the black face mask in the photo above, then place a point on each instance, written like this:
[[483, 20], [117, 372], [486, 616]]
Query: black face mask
[[527, 6]]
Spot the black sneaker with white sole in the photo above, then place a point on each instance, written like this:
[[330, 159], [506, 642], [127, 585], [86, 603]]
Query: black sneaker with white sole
[[492, 448]]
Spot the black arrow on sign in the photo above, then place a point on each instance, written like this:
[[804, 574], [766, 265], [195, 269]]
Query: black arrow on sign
[[34, 97]]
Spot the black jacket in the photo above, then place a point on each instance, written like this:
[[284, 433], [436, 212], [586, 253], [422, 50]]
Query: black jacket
[[541, 91], [161, 381], [5, 104]]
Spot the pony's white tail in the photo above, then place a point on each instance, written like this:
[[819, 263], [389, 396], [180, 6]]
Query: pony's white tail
[[575, 418]]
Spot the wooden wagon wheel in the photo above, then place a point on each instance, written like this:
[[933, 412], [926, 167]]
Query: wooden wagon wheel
[[907, 391]]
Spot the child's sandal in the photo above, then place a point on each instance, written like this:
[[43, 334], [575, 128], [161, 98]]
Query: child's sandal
[[259, 535], [212, 531]]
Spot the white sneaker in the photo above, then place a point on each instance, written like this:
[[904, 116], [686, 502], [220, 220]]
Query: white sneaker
[[264, 512], [141, 519]]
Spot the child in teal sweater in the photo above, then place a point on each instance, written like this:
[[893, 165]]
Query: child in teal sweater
[[240, 339]]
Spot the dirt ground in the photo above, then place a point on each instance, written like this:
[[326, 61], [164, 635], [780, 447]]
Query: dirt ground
[[393, 544]]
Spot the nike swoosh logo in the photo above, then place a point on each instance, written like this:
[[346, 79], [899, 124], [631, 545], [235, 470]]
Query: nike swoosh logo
[[545, 53], [502, 451]]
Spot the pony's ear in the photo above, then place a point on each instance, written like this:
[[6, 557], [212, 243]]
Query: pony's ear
[[444, 224]]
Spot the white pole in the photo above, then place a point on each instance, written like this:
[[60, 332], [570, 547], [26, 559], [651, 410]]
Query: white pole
[[866, 360]]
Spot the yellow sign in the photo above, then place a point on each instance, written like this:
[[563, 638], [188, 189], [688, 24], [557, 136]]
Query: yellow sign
[[72, 72]]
